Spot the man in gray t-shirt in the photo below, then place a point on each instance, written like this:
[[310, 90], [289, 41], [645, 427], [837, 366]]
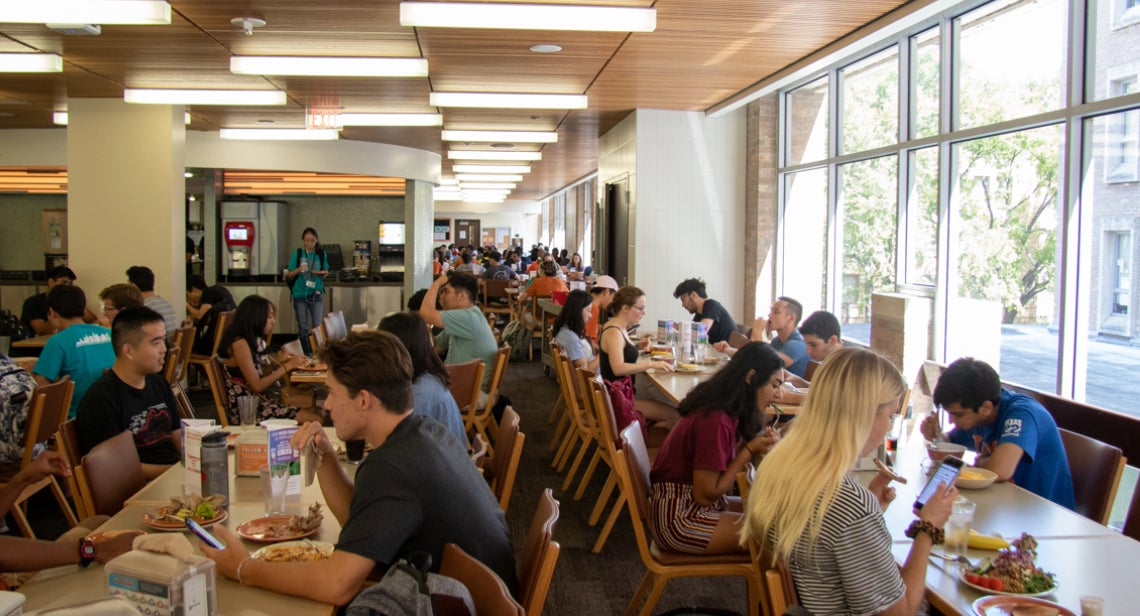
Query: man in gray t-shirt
[[466, 334]]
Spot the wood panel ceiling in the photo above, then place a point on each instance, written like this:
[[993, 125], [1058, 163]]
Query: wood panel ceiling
[[701, 52]]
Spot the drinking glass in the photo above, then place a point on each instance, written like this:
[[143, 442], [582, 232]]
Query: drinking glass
[[354, 451], [1092, 605], [958, 528], [274, 485], [247, 409]]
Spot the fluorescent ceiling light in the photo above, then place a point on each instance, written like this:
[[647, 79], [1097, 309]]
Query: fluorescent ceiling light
[[487, 177], [60, 118], [481, 155], [491, 100], [461, 168], [103, 12], [30, 63], [527, 17], [449, 182], [482, 199], [329, 67], [391, 119], [204, 97], [280, 134], [495, 136], [486, 185]]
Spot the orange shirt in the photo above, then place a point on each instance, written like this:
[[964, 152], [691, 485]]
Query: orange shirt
[[544, 286], [592, 324]]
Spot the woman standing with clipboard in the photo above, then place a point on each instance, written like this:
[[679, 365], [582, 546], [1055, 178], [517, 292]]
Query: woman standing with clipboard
[[307, 270]]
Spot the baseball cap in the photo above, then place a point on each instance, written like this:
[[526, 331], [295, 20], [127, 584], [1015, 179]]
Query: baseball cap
[[606, 282]]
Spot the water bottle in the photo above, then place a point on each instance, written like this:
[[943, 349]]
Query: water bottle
[[215, 466]]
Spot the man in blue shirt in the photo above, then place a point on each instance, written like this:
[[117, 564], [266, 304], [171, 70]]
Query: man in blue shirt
[[779, 330], [1013, 435], [79, 350]]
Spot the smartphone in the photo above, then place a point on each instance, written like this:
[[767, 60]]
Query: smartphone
[[946, 473], [204, 535]]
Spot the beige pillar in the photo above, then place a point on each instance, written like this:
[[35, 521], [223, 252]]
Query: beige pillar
[[126, 194], [419, 218]]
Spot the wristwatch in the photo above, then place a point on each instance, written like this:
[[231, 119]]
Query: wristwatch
[[86, 551]]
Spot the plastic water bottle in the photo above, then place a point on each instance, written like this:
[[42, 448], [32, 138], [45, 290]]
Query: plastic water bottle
[[215, 466]]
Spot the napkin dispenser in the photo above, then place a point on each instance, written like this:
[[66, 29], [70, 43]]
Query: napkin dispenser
[[163, 585]]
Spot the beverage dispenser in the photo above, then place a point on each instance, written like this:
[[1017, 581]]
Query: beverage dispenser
[[239, 236], [254, 235], [362, 257]]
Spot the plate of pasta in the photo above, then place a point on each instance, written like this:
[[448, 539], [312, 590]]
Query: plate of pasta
[[295, 552]]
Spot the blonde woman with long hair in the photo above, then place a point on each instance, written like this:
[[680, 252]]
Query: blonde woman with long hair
[[828, 528]]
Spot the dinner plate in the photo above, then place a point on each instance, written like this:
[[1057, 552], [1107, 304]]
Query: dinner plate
[[258, 529], [962, 578], [688, 368], [158, 521], [1003, 605], [314, 368], [322, 546]]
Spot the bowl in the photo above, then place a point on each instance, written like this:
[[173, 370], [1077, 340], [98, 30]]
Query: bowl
[[973, 478], [939, 451]]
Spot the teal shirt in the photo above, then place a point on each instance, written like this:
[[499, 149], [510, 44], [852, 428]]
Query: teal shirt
[[82, 352], [466, 336], [317, 263]]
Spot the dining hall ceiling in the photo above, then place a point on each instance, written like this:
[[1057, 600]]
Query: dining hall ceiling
[[701, 52]]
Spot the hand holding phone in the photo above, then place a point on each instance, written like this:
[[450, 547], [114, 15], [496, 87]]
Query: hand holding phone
[[204, 535], [946, 473]]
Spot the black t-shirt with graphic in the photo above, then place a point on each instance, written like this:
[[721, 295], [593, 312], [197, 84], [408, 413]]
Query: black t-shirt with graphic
[[150, 413]]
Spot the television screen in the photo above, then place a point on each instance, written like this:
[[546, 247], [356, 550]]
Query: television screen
[[391, 233]]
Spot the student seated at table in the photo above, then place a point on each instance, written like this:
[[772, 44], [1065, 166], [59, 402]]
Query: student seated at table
[[34, 312], [779, 330], [618, 363], [213, 301], [570, 330], [717, 437], [466, 334], [827, 528], [80, 350], [603, 295], [548, 281], [416, 491], [696, 301], [24, 555], [133, 396], [1013, 434], [430, 380], [116, 298], [249, 370]]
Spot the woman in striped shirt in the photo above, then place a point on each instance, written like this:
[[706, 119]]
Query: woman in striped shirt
[[718, 435], [828, 528]]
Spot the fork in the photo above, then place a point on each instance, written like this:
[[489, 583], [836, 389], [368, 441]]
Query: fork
[[954, 559]]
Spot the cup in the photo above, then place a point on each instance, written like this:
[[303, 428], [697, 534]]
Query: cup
[[304, 266], [247, 409], [274, 485], [958, 528], [1092, 605], [354, 451]]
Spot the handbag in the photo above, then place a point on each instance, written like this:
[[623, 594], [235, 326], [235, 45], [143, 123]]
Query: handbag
[[625, 409]]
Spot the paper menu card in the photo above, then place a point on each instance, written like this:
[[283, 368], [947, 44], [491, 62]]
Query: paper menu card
[[281, 452], [192, 432]]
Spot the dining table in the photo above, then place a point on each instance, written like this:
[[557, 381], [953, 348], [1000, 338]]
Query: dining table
[[70, 585], [675, 384], [35, 342]]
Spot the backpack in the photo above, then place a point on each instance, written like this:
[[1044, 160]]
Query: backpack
[[409, 589], [518, 336], [13, 327], [16, 389]]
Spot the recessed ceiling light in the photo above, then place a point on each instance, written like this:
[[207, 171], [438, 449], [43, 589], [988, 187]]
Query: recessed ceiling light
[[104, 12], [490, 168], [279, 134], [449, 182], [61, 118], [527, 17], [485, 185], [488, 177], [481, 155], [490, 100], [546, 48], [329, 67], [478, 136], [204, 97], [391, 119], [30, 63]]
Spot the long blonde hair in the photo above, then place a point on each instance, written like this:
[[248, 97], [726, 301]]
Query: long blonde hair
[[797, 482]]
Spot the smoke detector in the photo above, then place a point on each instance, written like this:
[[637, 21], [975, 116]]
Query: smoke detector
[[247, 24]]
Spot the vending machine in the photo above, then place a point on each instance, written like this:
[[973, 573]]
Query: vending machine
[[254, 236]]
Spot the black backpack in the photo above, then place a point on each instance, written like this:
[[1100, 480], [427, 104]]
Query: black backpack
[[408, 589], [13, 327]]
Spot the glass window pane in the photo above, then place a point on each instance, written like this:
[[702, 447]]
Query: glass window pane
[[867, 206], [1108, 246], [1011, 60], [1002, 306], [922, 218], [805, 238], [870, 102], [807, 122], [1114, 48], [925, 84]]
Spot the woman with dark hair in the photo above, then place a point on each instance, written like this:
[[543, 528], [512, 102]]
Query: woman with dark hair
[[618, 363], [575, 264], [717, 437], [244, 350], [430, 379], [307, 270], [570, 330]]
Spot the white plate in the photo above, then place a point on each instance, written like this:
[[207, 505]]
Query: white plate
[[962, 578], [323, 546]]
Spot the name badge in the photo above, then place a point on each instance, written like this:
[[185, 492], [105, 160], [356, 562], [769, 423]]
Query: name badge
[[312, 284]]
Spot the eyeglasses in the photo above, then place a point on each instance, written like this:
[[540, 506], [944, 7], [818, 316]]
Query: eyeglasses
[[640, 308]]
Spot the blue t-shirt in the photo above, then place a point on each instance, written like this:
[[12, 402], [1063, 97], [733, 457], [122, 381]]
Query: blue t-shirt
[[434, 400], [1021, 420], [82, 352], [796, 349], [318, 262]]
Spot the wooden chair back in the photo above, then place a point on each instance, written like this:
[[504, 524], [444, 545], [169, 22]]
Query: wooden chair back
[[480, 419], [215, 369], [113, 473], [224, 320], [1096, 468], [49, 410], [317, 337], [539, 555], [488, 591], [508, 454], [170, 365], [466, 380], [184, 339], [737, 339], [636, 458], [335, 326], [67, 441], [779, 589], [293, 347], [809, 371]]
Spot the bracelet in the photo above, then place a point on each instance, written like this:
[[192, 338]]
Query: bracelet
[[937, 537], [239, 568]]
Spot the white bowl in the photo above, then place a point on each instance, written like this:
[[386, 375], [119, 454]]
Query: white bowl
[[939, 451]]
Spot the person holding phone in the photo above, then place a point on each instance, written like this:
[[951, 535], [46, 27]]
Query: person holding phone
[[828, 529]]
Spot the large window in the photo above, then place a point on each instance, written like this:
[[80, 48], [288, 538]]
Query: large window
[[921, 235], [867, 197], [925, 89], [870, 102], [805, 238], [807, 132]]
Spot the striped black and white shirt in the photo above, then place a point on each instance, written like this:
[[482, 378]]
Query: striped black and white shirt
[[850, 570]]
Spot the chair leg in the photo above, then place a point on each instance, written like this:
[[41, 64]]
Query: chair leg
[[755, 596], [22, 521], [64, 506], [559, 405], [603, 498], [560, 431], [577, 463], [654, 595], [572, 438], [593, 466], [615, 513], [638, 596]]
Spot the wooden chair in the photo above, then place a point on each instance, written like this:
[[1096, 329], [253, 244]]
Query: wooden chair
[[170, 365], [184, 339], [1096, 468], [221, 397], [582, 424], [539, 555], [494, 300], [67, 440], [47, 413], [203, 361], [566, 434], [110, 473], [488, 591], [317, 337], [479, 421], [537, 321], [505, 459], [598, 401], [779, 589], [812, 366], [737, 339], [335, 327], [293, 347], [466, 380], [663, 566], [558, 412]]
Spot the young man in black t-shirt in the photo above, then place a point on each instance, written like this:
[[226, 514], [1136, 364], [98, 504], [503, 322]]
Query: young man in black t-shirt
[[693, 298], [133, 396]]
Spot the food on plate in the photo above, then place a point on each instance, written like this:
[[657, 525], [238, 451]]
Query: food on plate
[[688, 367], [296, 525], [1034, 610], [971, 475], [888, 472], [979, 541], [1013, 570], [295, 553], [660, 355], [194, 506]]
